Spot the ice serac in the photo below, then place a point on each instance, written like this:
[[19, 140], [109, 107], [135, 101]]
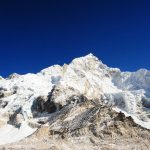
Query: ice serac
[[26, 99]]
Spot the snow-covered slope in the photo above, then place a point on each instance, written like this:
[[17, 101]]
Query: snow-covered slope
[[128, 92]]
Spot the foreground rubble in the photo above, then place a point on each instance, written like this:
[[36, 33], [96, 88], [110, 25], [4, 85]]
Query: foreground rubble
[[86, 124]]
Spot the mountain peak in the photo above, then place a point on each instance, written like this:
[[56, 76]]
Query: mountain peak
[[30, 96], [88, 57]]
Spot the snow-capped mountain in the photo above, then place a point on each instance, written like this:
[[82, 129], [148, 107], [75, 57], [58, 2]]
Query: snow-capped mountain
[[27, 100]]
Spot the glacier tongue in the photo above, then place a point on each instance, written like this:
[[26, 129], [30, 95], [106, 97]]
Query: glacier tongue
[[129, 92]]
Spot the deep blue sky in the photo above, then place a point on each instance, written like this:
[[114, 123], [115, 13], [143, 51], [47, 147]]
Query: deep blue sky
[[37, 34]]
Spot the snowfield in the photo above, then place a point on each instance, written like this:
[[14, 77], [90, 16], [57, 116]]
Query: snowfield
[[128, 92], [9, 133]]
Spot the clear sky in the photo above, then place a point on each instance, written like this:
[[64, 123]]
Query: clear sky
[[35, 34]]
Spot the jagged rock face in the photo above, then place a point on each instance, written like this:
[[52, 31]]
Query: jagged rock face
[[84, 94], [82, 116]]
